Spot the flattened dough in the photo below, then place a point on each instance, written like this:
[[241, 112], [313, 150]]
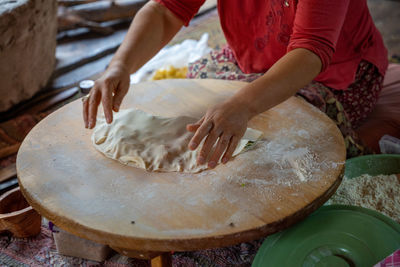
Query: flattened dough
[[153, 143]]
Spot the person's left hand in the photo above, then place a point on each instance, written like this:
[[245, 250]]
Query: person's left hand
[[225, 123]]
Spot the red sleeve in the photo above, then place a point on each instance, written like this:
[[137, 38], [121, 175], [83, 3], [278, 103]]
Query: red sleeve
[[317, 26], [183, 9]]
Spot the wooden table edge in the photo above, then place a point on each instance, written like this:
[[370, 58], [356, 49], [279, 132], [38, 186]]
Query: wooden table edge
[[187, 244]]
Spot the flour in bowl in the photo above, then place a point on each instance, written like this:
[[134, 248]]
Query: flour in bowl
[[380, 193]]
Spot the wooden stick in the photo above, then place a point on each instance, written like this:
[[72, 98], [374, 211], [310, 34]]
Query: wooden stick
[[68, 20], [74, 2], [7, 151], [8, 172], [47, 103], [89, 15], [107, 10], [38, 102]]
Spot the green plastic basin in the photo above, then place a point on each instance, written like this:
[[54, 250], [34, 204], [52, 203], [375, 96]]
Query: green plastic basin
[[333, 236], [338, 235], [373, 165]]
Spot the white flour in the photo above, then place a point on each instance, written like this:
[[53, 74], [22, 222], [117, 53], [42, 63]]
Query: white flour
[[291, 164], [380, 193]]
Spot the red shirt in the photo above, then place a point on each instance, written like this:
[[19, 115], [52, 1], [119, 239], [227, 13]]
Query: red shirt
[[260, 32]]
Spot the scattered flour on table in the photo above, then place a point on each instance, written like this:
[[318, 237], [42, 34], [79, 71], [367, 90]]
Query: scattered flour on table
[[380, 193], [286, 162]]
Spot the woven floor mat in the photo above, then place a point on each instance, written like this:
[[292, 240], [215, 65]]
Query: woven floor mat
[[41, 251]]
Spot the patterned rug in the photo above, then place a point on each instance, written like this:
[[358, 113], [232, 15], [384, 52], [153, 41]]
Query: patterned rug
[[41, 251]]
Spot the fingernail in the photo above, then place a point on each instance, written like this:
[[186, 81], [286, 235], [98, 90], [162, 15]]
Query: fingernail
[[108, 120], [212, 164], [90, 125], [192, 145], [201, 160], [224, 160]]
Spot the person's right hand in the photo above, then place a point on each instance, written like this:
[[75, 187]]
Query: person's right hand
[[109, 89]]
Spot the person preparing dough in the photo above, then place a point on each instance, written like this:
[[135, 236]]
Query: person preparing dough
[[328, 52]]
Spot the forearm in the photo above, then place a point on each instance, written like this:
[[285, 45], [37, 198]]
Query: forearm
[[293, 71], [151, 29]]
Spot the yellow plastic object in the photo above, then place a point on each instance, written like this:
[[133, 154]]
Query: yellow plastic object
[[170, 73]]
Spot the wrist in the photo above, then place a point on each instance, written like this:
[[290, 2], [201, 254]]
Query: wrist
[[119, 65], [244, 105], [251, 110]]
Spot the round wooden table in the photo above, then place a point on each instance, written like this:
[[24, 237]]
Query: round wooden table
[[288, 175]]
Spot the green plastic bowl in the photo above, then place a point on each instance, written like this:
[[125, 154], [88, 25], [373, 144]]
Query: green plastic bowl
[[373, 165], [334, 235]]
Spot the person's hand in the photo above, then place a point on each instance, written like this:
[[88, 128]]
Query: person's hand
[[225, 123], [109, 89]]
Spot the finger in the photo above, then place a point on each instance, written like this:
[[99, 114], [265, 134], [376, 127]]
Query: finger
[[119, 95], [201, 132], [85, 111], [207, 146], [94, 101], [222, 145], [106, 101], [194, 126], [231, 148]]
